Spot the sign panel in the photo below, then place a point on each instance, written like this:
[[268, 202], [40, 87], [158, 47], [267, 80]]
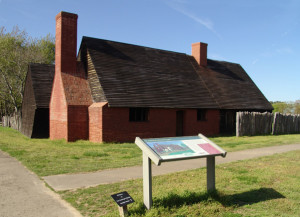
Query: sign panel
[[122, 198], [173, 148]]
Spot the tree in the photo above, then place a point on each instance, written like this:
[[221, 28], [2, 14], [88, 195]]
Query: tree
[[281, 107], [286, 107], [17, 50], [297, 107]]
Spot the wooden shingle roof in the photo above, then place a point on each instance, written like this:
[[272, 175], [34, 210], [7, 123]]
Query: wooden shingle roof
[[232, 87], [135, 76], [42, 76]]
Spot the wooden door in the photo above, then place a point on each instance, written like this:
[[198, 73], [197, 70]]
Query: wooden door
[[179, 123]]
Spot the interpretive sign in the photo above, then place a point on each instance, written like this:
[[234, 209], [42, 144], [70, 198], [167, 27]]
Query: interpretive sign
[[179, 148], [173, 149], [122, 198], [184, 147]]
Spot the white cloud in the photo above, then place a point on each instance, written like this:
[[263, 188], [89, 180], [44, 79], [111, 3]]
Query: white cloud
[[273, 52], [254, 61], [284, 50], [216, 56], [284, 34], [177, 1], [206, 22], [26, 13], [277, 51]]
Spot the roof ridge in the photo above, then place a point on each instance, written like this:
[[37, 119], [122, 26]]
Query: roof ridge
[[223, 61], [142, 46]]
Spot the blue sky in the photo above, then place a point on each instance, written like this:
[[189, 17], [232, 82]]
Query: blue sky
[[263, 36]]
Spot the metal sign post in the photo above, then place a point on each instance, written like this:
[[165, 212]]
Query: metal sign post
[[161, 150]]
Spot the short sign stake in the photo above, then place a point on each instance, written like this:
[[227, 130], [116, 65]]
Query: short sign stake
[[122, 199], [123, 211]]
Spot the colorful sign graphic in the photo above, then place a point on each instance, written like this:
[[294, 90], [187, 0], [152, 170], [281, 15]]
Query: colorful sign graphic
[[181, 148]]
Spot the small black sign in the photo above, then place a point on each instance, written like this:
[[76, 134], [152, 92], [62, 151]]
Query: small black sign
[[122, 198]]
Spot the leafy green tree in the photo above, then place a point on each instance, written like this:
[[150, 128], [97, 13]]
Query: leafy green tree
[[286, 107], [297, 107], [17, 50], [281, 107]]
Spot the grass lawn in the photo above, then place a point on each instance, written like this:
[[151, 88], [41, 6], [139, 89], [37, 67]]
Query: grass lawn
[[267, 186], [46, 157]]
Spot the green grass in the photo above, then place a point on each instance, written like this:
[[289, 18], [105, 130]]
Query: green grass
[[233, 143], [46, 157], [267, 186]]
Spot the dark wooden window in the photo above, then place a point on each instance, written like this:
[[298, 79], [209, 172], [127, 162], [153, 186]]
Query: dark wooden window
[[138, 114], [201, 114]]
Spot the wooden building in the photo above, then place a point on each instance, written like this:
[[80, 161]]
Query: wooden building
[[35, 105], [113, 91]]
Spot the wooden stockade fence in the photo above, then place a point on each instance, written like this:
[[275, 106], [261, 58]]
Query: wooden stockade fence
[[286, 124], [255, 123], [14, 121]]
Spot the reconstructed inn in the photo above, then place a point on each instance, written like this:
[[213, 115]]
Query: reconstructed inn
[[114, 91]]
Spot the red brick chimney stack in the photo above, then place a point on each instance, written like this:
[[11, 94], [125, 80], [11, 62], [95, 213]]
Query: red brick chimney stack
[[199, 52], [66, 42]]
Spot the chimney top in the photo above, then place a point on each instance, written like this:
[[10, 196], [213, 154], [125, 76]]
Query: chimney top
[[66, 14], [66, 42], [199, 52]]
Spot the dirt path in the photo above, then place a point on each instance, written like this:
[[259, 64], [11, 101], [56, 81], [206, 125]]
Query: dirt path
[[81, 180]]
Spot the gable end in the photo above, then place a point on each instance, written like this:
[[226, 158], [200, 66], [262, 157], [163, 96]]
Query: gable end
[[95, 85]]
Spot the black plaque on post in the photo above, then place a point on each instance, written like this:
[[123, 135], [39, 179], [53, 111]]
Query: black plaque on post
[[122, 198]]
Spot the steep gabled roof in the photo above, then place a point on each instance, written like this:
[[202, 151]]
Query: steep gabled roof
[[127, 75], [136, 76], [42, 76], [232, 87]]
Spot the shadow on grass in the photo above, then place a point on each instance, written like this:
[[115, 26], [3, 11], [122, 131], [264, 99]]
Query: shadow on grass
[[250, 197], [188, 198]]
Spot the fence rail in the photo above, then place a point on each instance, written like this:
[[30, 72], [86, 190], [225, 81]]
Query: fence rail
[[255, 123]]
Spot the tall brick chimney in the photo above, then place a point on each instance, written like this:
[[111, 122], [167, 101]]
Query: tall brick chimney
[[71, 93], [66, 42], [199, 52]]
